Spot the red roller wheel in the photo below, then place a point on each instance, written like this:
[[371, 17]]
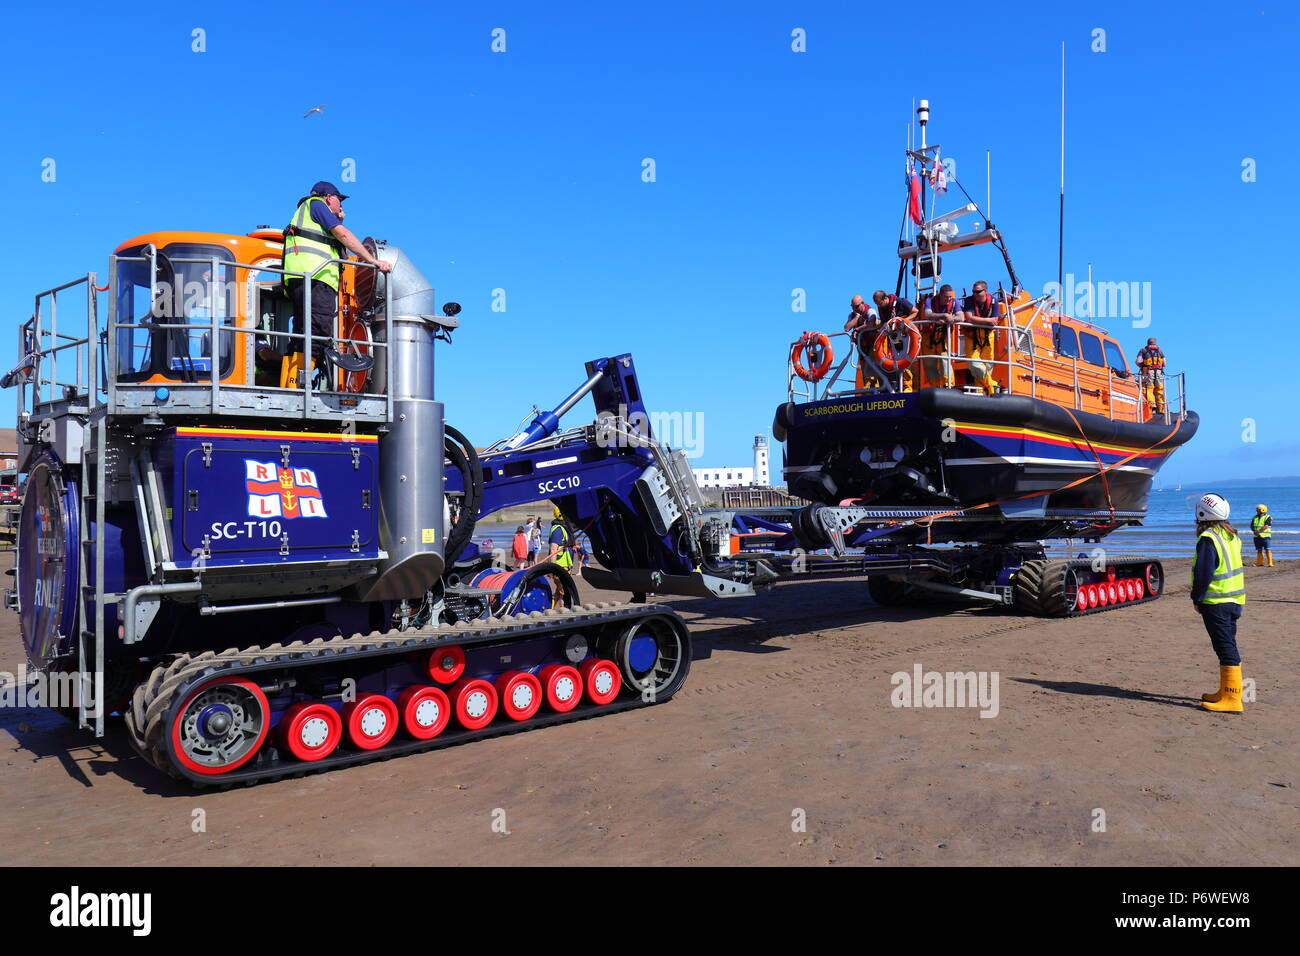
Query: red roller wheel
[[1130, 586], [601, 680], [425, 711], [220, 726], [1139, 588], [520, 694], [1081, 600], [371, 721], [446, 664], [1091, 591], [563, 687], [1112, 592], [311, 730], [1103, 595], [475, 703]]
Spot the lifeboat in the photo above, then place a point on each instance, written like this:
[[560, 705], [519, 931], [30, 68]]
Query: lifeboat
[[1047, 419]]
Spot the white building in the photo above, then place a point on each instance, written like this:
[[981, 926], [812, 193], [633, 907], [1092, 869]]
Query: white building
[[759, 476]]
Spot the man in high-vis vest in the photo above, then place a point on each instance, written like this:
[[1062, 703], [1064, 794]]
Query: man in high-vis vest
[[1151, 363], [1261, 526], [315, 236], [561, 542], [1219, 593]]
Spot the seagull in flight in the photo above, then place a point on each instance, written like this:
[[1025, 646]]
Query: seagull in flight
[[316, 110]]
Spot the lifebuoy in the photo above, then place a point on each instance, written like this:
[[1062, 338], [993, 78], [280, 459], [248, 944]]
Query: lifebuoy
[[810, 341], [886, 347], [357, 341]]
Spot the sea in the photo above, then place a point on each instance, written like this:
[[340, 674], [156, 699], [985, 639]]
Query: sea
[[1169, 530]]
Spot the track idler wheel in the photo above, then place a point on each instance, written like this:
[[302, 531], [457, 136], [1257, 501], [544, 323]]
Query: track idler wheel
[[563, 686], [310, 730], [220, 726], [371, 721], [601, 680], [520, 694], [474, 702], [1051, 588]]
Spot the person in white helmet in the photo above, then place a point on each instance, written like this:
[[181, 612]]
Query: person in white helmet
[[1219, 593]]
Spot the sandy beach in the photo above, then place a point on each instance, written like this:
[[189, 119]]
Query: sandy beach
[[784, 747]]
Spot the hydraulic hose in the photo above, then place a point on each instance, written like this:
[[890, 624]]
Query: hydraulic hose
[[464, 459]]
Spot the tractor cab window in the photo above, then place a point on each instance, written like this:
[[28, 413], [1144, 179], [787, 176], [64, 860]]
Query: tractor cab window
[[1090, 345], [1115, 358], [1066, 339], [186, 292]]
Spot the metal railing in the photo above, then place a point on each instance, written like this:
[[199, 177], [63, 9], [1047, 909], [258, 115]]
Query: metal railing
[[44, 347], [221, 324], [1084, 377]]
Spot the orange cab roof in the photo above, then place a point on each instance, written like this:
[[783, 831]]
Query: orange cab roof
[[245, 248]]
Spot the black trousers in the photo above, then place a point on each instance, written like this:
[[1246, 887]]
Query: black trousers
[[324, 316], [1221, 624]]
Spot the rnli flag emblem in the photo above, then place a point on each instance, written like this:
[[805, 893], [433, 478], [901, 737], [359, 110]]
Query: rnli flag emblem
[[278, 492]]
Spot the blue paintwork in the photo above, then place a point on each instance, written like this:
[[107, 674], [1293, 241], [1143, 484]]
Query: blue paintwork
[[239, 529]]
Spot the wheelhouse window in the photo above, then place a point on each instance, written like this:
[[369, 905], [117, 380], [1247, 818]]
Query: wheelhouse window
[[1115, 357], [1090, 346], [1066, 339]]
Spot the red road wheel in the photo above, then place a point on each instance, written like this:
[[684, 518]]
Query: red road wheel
[[1112, 592], [371, 721], [220, 726], [446, 664], [1081, 599], [563, 687], [601, 680], [475, 703], [1103, 595], [1090, 590], [311, 730], [1139, 588], [425, 711], [520, 694], [1131, 586]]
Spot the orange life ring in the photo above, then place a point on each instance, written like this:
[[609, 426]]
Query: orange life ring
[[357, 341], [886, 351], [811, 340]]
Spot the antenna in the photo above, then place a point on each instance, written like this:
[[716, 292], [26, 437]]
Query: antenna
[[1060, 239], [988, 186]]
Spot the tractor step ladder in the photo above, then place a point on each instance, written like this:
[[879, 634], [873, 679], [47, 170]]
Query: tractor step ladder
[[91, 604]]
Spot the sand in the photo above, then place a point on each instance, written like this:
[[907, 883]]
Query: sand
[[783, 748]]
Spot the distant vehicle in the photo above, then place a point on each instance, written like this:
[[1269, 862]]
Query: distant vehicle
[[9, 495]]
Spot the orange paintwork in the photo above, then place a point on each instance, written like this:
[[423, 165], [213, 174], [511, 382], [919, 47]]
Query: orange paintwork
[[257, 250]]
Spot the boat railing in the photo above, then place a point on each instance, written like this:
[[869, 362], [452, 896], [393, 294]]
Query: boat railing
[[1122, 392]]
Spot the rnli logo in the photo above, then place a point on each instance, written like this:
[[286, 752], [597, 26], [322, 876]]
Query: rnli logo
[[278, 492]]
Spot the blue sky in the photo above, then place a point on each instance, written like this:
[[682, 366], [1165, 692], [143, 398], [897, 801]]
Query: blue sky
[[775, 170]]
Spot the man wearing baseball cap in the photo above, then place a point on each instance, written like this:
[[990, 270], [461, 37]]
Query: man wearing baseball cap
[[314, 236]]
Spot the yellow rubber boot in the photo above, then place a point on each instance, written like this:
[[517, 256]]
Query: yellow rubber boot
[[1230, 702], [1218, 694], [1259, 559], [1270, 559]]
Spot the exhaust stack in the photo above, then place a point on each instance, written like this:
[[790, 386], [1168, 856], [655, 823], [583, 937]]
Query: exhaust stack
[[411, 503]]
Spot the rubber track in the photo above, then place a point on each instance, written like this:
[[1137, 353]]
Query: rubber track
[[1053, 605], [149, 716]]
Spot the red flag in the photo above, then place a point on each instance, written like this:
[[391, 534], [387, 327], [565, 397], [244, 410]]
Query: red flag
[[914, 197]]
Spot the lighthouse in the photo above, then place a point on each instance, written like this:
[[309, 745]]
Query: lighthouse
[[762, 478]]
